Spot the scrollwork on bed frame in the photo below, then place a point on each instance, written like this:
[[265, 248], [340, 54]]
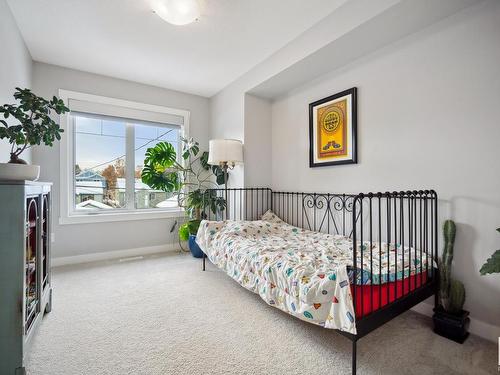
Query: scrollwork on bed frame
[[323, 212]]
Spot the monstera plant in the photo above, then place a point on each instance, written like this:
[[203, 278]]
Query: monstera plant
[[492, 264], [191, 179]]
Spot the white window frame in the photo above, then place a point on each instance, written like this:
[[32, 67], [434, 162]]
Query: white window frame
[[67, 214]]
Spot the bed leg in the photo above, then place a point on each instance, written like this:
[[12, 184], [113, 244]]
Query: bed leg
[[354, 357], [204, 256]]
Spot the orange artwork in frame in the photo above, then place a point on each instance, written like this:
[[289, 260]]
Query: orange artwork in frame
[[332, 130]]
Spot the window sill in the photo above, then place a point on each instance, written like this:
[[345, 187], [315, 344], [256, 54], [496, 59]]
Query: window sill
[[120, 216]]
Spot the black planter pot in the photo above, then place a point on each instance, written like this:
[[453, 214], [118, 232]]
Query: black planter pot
[[452, 326]]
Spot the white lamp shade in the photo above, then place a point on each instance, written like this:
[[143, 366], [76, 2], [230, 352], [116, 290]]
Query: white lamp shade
[[228, 151]]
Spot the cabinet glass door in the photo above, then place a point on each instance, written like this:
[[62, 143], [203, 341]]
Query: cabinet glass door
[[45, 241], [31, 266]]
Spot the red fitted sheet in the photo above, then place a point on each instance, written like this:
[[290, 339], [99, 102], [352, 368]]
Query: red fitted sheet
[[366, 302]]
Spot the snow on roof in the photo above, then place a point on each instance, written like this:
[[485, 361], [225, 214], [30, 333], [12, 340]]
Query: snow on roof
[[91, 204], [88, 175], [168, 203]]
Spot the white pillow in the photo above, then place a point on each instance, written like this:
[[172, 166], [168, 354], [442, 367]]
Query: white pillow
[[271, 217]]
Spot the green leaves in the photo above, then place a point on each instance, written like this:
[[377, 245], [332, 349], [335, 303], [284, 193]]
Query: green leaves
[[191, 180], [189, 148], [216, 170], [204, 161], [184, 232], [189, 227], [35, 126], [214, 202], [155, 179], [158, 171], [161, 156], [193, 226], [492, 264]]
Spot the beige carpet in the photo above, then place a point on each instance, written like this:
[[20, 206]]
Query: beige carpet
[[162, 315]]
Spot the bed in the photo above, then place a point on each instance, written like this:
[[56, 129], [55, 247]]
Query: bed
[[296, 250]]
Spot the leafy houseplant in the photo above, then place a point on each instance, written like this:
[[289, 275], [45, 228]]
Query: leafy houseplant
[[450, 320], [189, 228], [492, 265], [190, 179], [33, 126]]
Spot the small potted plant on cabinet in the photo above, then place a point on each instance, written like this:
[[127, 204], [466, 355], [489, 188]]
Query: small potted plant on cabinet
[[191, 180], [450, 319], [33, 126]]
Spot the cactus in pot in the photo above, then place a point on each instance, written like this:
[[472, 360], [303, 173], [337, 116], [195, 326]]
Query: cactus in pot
[[451, 291], [450, 319]]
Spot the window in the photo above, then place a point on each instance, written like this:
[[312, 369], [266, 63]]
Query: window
[[105, 144]]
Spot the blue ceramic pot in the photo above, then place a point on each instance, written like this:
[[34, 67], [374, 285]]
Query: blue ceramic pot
[[193, 246]]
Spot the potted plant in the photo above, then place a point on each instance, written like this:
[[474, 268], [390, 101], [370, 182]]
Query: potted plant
[[450, 319], [492, 264], [33, 126], [187, 232], [190, 179]]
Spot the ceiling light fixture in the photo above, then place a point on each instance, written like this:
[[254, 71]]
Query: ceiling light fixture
[[177, 12]]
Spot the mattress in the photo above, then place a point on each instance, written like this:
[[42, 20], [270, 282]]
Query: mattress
[[304, 273], [370, 298]]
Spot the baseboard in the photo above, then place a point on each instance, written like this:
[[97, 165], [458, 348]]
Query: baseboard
[[477, 327], [106, 255]]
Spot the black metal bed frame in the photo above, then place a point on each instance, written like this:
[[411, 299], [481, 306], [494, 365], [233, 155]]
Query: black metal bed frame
[[407, 217]]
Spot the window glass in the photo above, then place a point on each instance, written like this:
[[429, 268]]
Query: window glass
[[100, 171]]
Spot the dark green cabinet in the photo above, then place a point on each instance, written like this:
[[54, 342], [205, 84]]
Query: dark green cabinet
[[25, 285]]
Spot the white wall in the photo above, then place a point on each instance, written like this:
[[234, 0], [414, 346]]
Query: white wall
[[428, 117], [226, 121], [78, 239], [15, 68], [257, 141], [227, 118]]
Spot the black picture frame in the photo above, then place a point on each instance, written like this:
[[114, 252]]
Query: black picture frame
[[354, 120]]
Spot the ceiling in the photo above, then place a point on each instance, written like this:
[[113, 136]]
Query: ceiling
[[125, 39]]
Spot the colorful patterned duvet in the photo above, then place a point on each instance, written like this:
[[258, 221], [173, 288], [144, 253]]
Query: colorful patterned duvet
[[306, 274]]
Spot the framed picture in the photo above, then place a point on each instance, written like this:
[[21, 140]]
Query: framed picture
[[332, 130]]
